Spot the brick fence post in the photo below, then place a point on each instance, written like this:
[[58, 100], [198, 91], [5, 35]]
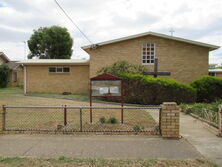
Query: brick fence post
[[2, 119], [220, 120], [170, 120]]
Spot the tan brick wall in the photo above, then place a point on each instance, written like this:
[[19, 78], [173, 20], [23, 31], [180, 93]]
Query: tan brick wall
[[20, 78], [186, 62], [38, 79], [170, 120], [220, 120]]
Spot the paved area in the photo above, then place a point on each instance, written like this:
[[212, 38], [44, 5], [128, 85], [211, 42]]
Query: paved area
[[202, 137], [96, 146]]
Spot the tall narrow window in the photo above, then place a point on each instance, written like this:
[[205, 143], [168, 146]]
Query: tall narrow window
[[14, 76], [148, 53]]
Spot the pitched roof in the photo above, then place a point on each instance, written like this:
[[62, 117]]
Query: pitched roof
[[54, 62], [12, 64], [2, 55], [215, 70], [105, 77], [211, 47]]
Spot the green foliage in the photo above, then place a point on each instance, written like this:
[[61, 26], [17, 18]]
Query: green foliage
[[112, 120], [50, 43], [207, 111], [208, 88], [141, 89], [102, 120], [220, 67], [137, 128], [4, 75], [120, 67]]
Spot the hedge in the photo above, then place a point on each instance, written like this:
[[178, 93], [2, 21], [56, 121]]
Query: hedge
[[4, 73], [208, 88], [141, 89]]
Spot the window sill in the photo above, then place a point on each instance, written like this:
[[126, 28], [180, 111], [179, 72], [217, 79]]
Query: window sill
[[147, 63]]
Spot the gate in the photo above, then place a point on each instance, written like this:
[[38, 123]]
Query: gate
[[80, 119]]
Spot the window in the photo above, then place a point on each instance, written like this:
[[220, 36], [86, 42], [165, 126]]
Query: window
[[65, 69], [148, 53], [59, 69], [52, 69], [14, 76], [212, 73]]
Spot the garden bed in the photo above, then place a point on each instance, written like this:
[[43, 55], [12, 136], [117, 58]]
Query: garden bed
[[207, 112]]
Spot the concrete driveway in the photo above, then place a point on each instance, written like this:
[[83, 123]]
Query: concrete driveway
[[96, 146]]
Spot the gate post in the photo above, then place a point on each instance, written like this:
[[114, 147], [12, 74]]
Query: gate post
[[170, 120], [2, 119], [220, 120]]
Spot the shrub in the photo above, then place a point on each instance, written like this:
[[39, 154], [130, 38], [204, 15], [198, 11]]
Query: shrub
[[4, 73], [102, 120], [122, 67], [208, 88], [136, 128], [143, 89], [112, 120], [207, 111]]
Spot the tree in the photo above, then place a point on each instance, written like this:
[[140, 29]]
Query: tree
[[120, 67], [4, 74], [50, 43]]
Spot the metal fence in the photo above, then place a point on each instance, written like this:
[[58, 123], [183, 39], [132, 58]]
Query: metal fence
[[81, 119]]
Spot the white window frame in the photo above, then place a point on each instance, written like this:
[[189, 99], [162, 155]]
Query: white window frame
[[154, 54], [56, 70]]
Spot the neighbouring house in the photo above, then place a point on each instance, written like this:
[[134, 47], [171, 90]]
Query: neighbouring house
[[212, 66], [15, 73], [215, 72], [185, 59]]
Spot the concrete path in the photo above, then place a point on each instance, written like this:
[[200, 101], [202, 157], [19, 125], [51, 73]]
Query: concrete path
[[96, 146], [202, 137]]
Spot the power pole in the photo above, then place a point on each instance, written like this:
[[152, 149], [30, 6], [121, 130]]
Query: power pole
[[25, 57]]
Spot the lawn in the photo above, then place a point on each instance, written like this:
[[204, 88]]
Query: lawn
[[49, 119], [92, 162]]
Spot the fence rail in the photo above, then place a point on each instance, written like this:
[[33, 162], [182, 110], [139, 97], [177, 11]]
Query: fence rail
[[78, 118]]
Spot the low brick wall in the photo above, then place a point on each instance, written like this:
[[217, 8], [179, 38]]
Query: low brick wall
[[1, 120], [170, 120], [220, 120]]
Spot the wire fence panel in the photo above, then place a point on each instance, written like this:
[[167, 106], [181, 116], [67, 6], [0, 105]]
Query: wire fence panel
[[34, 118], [73, 120], [113, 120], [82, 119]]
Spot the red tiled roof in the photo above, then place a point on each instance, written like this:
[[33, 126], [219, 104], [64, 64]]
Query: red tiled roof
[[105, 77]]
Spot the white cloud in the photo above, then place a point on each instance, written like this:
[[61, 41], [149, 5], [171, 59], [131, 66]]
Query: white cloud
[[103, 20]]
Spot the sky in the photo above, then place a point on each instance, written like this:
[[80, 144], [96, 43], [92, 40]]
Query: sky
[[102, 20]]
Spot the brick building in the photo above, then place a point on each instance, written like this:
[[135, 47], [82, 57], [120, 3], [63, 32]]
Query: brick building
[[16, 71], [185, 59]]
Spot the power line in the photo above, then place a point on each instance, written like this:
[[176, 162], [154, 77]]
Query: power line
[[73, 22]]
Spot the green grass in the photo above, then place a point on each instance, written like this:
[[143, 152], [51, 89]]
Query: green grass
[[50, 118], [101, 162], [83, 97], [11, 90]]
